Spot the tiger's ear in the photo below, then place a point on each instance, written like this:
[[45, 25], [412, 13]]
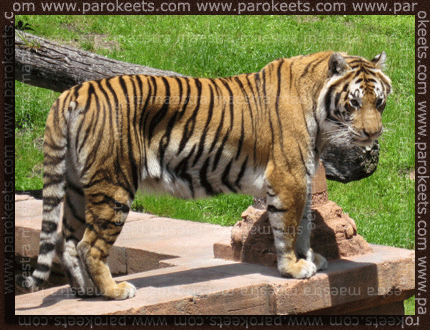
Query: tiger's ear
[[379, 60], [337, 65]]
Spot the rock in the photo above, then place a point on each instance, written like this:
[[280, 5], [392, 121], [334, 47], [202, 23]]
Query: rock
[[334, 235]]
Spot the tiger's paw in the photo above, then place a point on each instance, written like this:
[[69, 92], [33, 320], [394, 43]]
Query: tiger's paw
[[300, 269], [123, 290], [320, 261]]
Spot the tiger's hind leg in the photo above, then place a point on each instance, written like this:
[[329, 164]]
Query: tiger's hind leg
[[72, 232], [106, 210], [286, 201]]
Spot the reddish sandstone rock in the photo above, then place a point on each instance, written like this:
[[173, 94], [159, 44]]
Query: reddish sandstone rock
[[334, 233], [334, 237]]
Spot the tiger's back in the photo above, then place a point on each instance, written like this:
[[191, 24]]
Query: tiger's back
[[258, 134]]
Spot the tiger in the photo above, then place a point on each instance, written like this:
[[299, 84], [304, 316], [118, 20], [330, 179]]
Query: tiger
[[258, 134]]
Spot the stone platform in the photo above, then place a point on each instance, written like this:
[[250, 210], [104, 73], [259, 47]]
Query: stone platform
[[172, 264]]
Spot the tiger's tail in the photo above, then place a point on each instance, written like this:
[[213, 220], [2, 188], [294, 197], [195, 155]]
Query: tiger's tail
[[54, 185]]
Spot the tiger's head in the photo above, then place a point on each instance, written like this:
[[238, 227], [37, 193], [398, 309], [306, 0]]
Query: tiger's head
[[353, 99]]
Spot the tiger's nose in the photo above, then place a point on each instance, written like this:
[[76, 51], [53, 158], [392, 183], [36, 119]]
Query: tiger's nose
[[372, 133]]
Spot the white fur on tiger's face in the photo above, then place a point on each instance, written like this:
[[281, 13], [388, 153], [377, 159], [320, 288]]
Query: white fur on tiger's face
[[259, 134]]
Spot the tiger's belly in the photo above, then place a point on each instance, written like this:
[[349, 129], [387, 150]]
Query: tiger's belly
[[184, 177]]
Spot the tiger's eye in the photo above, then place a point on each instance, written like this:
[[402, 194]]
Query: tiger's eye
[[355, 103]]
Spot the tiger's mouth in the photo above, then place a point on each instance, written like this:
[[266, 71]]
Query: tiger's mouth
[[363, 142], [363, 138]]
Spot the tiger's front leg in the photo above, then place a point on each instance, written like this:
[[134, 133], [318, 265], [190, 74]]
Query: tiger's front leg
[[286, 202], [303, 248]]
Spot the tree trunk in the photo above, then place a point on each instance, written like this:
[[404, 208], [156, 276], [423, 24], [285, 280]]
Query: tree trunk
[[43, 63]]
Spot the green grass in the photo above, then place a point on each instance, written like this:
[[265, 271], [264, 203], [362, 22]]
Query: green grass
[[382, 205], [221, 210]]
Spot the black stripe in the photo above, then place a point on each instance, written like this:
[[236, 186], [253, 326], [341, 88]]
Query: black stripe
[[203, 178], [94, 117], [278, 94], [142, 123], [97, 141], [137, 92], [91, 227], [51, 201], [312, 64], [255, 122], [101, 88], [71, 237], [247, 99], [303, 158], [241, 173], [263, 73], [385, 81], [206, 129], [53, 146], [336, 99], [75, 188], [241, 139], [67, 226], [179, 82], [52, 160], [122, 177], [273, 136], [94, 123], [362, 69], [90, 93], [165, 140], [187, 98], [39, 281], [52, 179], [134, 168], [103, 255], [328, 98], [111, 224], [221, 124], [252, 91], [219, 152], [291, 72], [191, 122], [45, 248], [257, 91], [159, 116], [42, 268], [345, 88], [117, 206], [230, 128], [152, 90], [108, 241], [224, 177], [49, 227], [181, 171]]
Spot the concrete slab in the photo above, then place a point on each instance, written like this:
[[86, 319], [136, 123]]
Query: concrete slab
[[193, 282]]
